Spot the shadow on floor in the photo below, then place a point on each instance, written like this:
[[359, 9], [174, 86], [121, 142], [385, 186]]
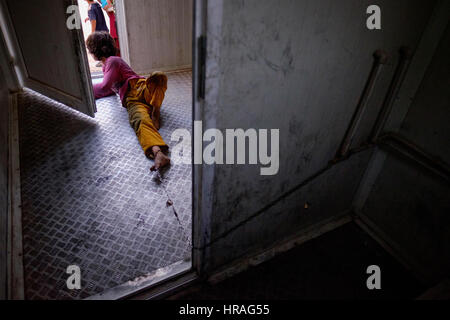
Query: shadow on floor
[[332, 266], [45, 122]]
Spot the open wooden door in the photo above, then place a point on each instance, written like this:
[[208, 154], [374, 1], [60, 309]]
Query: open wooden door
[[51, 57]]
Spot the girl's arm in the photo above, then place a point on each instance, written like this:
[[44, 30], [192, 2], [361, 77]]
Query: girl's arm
[[111, 76], [92, 17], [93, 25]]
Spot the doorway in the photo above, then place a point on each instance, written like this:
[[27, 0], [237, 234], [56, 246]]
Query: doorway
[[94, 66], [88, 197]]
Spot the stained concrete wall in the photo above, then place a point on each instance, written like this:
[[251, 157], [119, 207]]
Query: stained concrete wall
[[159, 34], [427, 123], [297, 66], [408, 204]]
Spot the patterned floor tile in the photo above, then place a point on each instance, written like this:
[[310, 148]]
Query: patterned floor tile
[[90, 200]]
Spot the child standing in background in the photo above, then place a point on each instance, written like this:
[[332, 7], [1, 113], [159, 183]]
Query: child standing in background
[[97, 19], [95, 15], [108, 6]]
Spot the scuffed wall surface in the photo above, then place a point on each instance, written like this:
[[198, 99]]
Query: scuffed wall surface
[[408, 204], [326, 196], [159, 34], [411, 208], [297, 66], [427, 123]]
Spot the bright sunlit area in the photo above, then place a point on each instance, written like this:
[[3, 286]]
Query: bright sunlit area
[[83, 6]]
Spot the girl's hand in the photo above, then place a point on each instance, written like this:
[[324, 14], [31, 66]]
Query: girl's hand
[[86, 20]]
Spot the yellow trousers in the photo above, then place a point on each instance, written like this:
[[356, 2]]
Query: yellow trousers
[[144, 95]]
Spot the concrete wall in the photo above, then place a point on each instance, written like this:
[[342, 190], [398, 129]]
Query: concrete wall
[[297, 66], [409, 205], [427, 123], [159, 34]]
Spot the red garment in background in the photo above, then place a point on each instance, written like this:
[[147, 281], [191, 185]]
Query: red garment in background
[[113, 30]]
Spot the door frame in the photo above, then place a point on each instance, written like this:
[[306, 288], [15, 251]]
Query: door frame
[[200, 215], [122, 30]]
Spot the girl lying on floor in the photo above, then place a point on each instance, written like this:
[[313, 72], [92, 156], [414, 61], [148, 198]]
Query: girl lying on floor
[[141, 97]]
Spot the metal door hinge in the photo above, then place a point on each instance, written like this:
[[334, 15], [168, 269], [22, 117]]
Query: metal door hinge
[[201, 66]]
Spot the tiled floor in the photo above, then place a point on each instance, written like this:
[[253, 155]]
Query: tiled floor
[[90, 200]]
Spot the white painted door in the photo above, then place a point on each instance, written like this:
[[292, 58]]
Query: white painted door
[[51, 57]]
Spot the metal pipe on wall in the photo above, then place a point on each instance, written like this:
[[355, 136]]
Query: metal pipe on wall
[[380, 59], [397, 81], [413, 152]]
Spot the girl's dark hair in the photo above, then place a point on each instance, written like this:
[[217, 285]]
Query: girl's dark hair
[[101, 45]]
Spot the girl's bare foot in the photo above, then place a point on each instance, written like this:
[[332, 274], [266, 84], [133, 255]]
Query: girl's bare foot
[[161, 161]]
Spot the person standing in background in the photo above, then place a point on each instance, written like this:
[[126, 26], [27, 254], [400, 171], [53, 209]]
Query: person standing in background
[[95, 15], [108, 6], [97, 19]]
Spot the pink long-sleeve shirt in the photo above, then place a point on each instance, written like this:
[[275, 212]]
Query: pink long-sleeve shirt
[[117, 73]]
